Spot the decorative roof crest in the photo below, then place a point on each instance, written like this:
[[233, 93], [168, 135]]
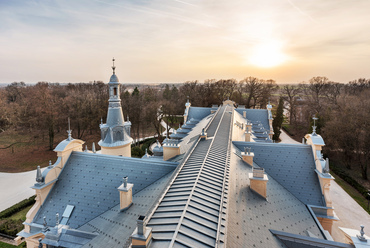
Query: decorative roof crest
[[362, 237], [113, 67], [69, 131], [39, 178], [314, 118]]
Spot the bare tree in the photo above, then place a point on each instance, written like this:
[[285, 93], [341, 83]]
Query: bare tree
[[252, 89], [291, 94]]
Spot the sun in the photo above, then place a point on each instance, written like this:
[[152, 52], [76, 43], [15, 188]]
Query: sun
[[268, 54]]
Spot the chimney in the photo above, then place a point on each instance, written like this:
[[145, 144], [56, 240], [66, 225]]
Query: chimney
[[125, 194], [171, 148], [142, 236], [203, 135], [258, 181], [245, 114], [248, 131], [247, 156]]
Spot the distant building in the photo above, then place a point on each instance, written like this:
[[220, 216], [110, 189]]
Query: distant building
[[218, 181]]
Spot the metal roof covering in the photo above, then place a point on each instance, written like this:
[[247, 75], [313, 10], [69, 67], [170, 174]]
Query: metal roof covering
[[115, 227], [62, 236], [89, 182], [193, 135], [299, 241], [293, 166], [251, 216], [192, 211], [316, 139], [198, 113], [255, 115]]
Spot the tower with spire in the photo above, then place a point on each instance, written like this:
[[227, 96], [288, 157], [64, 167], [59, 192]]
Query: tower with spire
[[115, 133]]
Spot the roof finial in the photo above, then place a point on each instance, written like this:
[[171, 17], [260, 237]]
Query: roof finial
[[314, 118], [39, 178], [326, 168], [113, 67], [69, 131], [57, 219], [45, 228], [93, 147], [362, 237], [40, 244]]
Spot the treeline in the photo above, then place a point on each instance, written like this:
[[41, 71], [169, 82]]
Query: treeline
[[344, 117], [43, 109], [342, 108]]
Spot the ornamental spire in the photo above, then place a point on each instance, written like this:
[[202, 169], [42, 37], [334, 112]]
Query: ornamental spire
[[314, 118], [69, 131], [113, 67]]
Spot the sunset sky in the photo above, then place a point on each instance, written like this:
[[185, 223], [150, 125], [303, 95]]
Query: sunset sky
[[164, 41]]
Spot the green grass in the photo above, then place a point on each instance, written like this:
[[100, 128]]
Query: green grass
[[5, 245], [178, 120], [21, 214], [357, 196], [12, 218]]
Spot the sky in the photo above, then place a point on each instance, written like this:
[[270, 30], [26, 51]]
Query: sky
[[169, 41]]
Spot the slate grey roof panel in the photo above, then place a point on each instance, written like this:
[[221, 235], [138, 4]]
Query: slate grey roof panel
[[193, 201], [255, 115], [198, 113], [89, 182], [299, 241], [292, 166], [251, 216], [193, 135], [115, 227]]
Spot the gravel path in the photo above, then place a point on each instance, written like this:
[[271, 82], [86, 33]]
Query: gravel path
[[15, 187]]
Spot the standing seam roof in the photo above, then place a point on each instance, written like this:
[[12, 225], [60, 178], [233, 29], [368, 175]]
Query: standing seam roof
[[192, 212]]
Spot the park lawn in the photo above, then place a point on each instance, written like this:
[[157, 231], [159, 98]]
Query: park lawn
[[5, 245], [21, 214], [27, 151]]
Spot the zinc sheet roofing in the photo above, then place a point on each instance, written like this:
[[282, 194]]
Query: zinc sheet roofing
[[292, 166], [251, 216], [193, 135], [89, 182], [115, 227], [192, 211], [198, 113], [255, 115]]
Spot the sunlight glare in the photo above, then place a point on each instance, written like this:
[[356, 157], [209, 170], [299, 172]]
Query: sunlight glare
[[268, 54]]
